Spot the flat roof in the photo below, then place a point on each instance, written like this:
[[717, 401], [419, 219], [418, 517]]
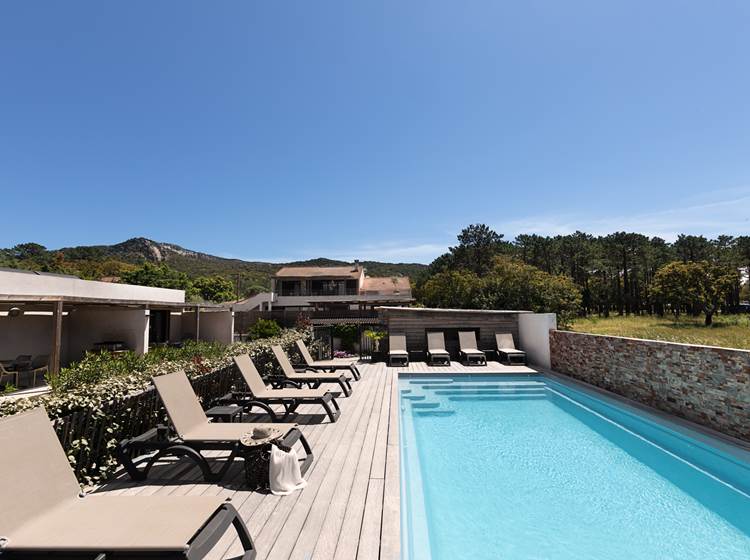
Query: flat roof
[[23, 299], [439, 310], [351, 271]]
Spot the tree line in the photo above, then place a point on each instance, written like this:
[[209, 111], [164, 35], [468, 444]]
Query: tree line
[[623, 272]]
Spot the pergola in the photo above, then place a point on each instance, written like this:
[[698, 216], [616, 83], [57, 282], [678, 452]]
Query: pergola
[[59, 306]]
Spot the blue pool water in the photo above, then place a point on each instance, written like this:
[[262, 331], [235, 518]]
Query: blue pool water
[[530, 467]]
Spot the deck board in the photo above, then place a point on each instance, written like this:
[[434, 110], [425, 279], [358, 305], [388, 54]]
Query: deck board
[[351, 505]]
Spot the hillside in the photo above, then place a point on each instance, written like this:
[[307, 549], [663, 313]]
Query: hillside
[[96, 261]]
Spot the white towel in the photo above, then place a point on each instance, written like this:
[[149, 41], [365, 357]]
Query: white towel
[[284, 475]]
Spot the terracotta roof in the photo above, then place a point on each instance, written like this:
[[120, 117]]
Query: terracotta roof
[[318, 272], [387, 285]]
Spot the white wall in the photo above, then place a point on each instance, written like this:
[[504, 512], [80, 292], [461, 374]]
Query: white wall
[[29, 284], [533, 334], [28, 334], [217, 326], [175, 327], [89, 325], [255, 302]]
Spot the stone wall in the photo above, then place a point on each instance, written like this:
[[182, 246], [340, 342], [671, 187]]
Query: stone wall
[[704, 384]]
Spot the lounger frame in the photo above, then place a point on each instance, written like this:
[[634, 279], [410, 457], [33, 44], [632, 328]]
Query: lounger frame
[[470, 355], [327, 367], [247, 398], [33, 452], [437, 356], [158, 439], [305, 374], [398, 355], [507, 353]]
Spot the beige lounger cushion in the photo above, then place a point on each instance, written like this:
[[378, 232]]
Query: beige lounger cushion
[[184, 410], [397, 345], [468, 342], [96, 523], [505, 342], [35, 474], [436, 343], [293, 394], [40, 507], [229, 431], [250, 374], [180, 400], [288, 368], [258, 387]]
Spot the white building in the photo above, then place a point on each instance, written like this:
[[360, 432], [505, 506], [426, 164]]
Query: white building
[[62, 317], [328, 288]]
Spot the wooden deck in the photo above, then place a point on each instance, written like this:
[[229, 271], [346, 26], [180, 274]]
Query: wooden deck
[[350, 507]]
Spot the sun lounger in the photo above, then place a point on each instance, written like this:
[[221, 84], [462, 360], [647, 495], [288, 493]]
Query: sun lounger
[[437, 355], [326, 365], [506, 349], [397, 353], [472, 356], [195, 433], [290, 399], [311, 377], [45, 515]]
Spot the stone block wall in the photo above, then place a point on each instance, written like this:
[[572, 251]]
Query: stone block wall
[[703, 384]]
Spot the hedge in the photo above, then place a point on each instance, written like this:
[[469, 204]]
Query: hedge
[[92, 409]]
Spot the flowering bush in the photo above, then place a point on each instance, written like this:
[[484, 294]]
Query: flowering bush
[[98, 401]]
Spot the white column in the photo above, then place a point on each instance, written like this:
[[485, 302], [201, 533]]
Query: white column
[[141, 345], [533, 334]]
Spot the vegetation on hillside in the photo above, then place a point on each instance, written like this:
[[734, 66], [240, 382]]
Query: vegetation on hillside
[[728, 331], [247, 278]]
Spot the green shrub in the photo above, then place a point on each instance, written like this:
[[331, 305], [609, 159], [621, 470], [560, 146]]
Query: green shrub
[[349, 335], [98, 366], [263, 328]]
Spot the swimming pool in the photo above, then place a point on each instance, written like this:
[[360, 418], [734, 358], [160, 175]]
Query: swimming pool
[[522, 467]]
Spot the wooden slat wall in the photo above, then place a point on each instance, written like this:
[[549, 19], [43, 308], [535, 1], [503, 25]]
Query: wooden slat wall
[[414, 322]]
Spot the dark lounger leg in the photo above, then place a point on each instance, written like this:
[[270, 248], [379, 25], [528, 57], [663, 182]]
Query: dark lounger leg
[[332, 414], [210, 534]]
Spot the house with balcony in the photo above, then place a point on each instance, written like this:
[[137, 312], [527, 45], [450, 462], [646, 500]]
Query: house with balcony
[[329, 288]]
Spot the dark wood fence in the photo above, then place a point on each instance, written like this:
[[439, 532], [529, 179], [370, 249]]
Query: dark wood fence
[[87, 435]]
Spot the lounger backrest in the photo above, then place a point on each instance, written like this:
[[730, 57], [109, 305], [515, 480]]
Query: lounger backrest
[[302, 347], [467, 339], [435, 341], [397, 342], [183, 408], [250, 374], [35, 474], [504, 340], [283, 359]]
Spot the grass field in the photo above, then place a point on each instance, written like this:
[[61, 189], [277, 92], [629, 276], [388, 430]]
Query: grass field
[[729, 331]]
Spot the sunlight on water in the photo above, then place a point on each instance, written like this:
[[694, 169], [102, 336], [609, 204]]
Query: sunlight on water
[[511, 469]]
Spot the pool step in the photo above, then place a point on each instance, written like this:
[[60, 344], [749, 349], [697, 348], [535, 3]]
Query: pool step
[[441, 412], [499, 398], [422, 405], [414, 397], [524, 391]]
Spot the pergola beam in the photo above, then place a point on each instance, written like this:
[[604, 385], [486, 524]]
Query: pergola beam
[[57, 316]]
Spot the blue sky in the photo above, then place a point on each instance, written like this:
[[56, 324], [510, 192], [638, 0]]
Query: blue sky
[[288, 130]]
